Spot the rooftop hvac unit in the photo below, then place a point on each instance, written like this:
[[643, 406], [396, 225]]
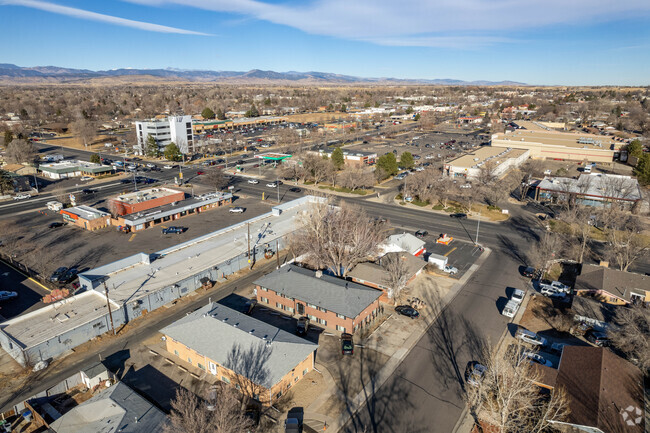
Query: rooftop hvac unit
[[476, 159]]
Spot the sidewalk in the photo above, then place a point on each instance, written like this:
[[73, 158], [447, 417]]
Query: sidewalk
[[396, 353]]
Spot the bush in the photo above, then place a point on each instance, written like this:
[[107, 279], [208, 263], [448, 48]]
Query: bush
[[438, 207], [494, 208]]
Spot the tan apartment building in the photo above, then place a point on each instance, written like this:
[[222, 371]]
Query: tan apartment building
[[329, 302], [222, 342]]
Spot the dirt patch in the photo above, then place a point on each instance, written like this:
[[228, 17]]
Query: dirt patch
[[308, 389], [545, 315]]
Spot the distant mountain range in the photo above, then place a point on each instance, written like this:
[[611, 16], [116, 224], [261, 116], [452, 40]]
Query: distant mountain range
[[53, 74]]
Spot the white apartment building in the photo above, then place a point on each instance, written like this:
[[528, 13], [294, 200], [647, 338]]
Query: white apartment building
[[175, 128]]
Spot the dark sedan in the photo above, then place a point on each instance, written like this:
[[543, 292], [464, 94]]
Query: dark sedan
[[58, 274], [347, 344], [407, 311]]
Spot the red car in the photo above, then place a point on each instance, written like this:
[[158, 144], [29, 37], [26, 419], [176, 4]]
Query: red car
[[199, 173]]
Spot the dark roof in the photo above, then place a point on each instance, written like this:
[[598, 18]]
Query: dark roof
[[332, 293], [618, 283], [214, 330], [377, 274], [113, 409], [591, 308], [600, 385]]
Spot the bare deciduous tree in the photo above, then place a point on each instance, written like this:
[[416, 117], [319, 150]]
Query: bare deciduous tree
[[317, 168], [337, 238], [626, 246], [250, 366], [577, 220], [354, 178], [508, 398], [21, 151], [547, 248], [632, 335], [214, 177], [398, 273], [221, 413]]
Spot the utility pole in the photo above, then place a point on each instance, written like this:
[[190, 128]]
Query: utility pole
[[36, 182], [108, 304], [277, 185], [477, 227], [277, 253], [248, 252]]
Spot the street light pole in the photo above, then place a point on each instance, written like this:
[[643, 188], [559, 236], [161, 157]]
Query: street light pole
[[477, 226]]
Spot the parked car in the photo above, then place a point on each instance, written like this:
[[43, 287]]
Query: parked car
[[173, 230], [451, 270], [518, 296], [421, 234], [511, 308], [56, 224], [56, 275], [465, 186], [291, 425], [85, 178], [88, 191], [167, 167], [474, 373], [294, 189], [5, 295], [408, 311], [598, 338], [302, 326], [69, 275], [253, 181], [22, 196], [237, 209], [530, 337], [347, 344], [529, 272], [272, 185], [536, 358], [460, 216], [560, 287]]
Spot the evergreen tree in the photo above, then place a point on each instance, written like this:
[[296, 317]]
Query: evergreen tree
[[207, 113], [635, 148], [406, 160], [220, 114], [6, 183], [338, 159], [642, 169], [95, 158], [9, 137], [388, 164], [172, 152], [253, 112]]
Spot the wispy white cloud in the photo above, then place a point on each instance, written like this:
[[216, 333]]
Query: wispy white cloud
[[94, 16], [474, 23]]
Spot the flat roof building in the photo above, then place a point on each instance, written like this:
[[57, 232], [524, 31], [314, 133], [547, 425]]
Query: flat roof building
[[594, 189], [177, 129], [86, 217], [143, 200], [201, 126], [231, 345], [353, 157], [560, 145], [65, 169], [501, 160]]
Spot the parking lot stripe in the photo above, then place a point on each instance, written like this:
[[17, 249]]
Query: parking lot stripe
[[132, 237], [450, 251], [26, 276]]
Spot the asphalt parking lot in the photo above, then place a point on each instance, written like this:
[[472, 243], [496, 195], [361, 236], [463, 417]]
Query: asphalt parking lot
[[461, 254], [29, 293]]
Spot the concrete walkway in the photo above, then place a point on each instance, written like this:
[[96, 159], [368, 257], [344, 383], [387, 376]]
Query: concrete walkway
[[407, 335]]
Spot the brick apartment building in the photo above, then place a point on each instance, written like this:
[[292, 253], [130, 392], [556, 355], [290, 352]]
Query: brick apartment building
[[143, 200], [208, 337], [330, 302]]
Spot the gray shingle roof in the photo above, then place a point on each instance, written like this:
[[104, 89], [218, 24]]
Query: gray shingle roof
[[215, 329], [112, 410], [618, 283], [375, 273], [332, 293]]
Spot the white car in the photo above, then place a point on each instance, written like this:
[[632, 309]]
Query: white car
[[560, 287], [511, 308], [236, 209], [272, 185], [85, 178], [429, 157], [4, 295], [536, 358], [150, 165], [167, 167], [450, 270], [22, 196], [466, 186], [131, 167], [518, 296], [530, 337], [253, 181]]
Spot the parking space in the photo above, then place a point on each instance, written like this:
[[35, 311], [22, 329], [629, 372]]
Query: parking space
[[29, 293], [460, 254]]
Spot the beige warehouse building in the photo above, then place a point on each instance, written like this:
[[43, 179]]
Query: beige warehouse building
[[471, 164], [561, 145]]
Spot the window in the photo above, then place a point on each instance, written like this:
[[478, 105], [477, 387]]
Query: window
[[265, 300], [176, 352], [264, 289], [295, 380], [340, 328], [278, 305], [225, 379], [189, 359], [290, 309], [322, 321], [322, 309], [278, 395], [312, 306], [312, 318], [288, 385], [305, 371], [340, 316], [201, 366]]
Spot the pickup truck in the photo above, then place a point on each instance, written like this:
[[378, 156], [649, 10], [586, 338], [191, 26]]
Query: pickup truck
[[555, 286]]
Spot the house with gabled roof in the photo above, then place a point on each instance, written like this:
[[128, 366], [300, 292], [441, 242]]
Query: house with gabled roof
[[613, 286]]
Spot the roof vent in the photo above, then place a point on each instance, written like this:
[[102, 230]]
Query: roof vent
[[318, 274]]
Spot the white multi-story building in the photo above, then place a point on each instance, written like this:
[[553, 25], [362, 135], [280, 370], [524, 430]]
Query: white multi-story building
[[175, 128]]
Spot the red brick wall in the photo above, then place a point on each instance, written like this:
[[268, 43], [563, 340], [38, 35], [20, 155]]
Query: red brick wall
[[330, 317], [123, 208]]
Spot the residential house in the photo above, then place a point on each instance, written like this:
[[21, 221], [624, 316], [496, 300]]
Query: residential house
[[404, 242], [241, 350], [605, 392], [596, 314], [115, 409], [331, 302], [613, 286], [376, 275]]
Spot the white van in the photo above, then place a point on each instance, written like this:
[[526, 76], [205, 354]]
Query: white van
[[511, 308], [54, 205], [586, 169]]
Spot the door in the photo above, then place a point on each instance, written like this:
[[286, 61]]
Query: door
[[213, 367], [301, 308]]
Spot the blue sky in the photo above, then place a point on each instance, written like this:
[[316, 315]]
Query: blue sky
[[570, 42]]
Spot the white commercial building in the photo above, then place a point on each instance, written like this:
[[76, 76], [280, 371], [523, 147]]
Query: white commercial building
[[497, 159], [177, 129]]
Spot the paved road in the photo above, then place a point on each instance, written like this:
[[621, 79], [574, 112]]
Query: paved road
[[29, 292]]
